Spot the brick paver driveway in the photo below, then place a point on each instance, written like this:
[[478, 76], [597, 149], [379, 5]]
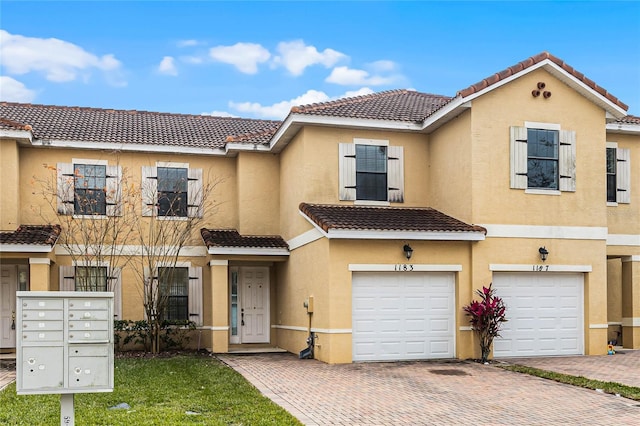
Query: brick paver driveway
[[422, 393]]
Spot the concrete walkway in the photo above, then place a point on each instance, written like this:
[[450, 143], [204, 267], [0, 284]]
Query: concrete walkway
[[425, 393]]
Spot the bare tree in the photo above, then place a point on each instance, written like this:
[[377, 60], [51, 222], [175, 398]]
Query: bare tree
[[108, 219]]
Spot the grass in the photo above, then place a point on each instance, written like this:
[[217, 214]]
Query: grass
[[625, 391], [160, 391]]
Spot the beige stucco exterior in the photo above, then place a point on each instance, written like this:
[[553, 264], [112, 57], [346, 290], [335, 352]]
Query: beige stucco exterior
[[460, 167]]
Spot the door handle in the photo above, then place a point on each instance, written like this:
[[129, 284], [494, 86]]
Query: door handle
[[13, 320], [242, 318]]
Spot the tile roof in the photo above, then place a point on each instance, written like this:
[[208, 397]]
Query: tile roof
[[42, 235], [629, 119], [348, 217], [520, 66], [132, 127], [395, 105], [231, 238]]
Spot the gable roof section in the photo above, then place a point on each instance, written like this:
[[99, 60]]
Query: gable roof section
[[229, 241], [365, 222], [132, 129], [30, 238]]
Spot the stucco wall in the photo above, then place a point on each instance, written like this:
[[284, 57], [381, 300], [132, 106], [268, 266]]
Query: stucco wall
[[10, 201]]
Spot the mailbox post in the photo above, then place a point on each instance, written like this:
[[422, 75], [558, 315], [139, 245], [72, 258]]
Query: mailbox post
[[64, 345]]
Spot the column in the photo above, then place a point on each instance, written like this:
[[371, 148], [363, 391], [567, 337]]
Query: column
[[39, 274], [220, 305], [631, 302]]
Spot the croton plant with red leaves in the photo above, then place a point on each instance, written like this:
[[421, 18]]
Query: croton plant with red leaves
[[486, 317]]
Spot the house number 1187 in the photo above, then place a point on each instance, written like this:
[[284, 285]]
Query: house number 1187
[[403, 267], [540, 268]]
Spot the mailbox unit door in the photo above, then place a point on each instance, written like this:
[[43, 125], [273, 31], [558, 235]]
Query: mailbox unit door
[[41, 367]]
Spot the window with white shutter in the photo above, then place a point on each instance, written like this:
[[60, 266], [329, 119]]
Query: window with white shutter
[[543, 158], [371, 170], [89, 188], [172, 190], [100, 278], [618, 174]]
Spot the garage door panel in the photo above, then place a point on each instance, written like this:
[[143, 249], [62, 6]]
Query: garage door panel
[[544, 312], [409, 316]]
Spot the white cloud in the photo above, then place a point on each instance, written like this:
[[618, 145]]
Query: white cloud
[[346, 76], [280, 110], [167, 66], [58, 60], [244, 56], [382, 66], [295, 56], [219, 114], [15, 91], [187, 43]]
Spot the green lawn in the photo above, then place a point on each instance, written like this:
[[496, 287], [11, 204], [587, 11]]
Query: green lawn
[[181, 390]]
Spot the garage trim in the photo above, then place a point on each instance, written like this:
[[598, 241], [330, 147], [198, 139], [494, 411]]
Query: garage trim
[[373, 267], [505, 267]]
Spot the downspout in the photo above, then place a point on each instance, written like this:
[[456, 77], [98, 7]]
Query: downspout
[[307, 353]]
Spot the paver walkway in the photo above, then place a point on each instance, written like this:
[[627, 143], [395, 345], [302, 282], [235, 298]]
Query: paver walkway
[[424, 393]]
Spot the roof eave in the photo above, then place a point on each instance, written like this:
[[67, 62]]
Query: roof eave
[[248, 251], [623, 128], [358, 234], [294, 122], [17, 134], [26, 248], [129, 147]]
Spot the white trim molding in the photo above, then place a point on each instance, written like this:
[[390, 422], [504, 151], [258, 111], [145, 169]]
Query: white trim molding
[[631, 322], [39, 261], [403, 267], [314, 330], [623, 239], [216, 262], [598, 326], [25, 248], [465, 328], [538, 267], [131, 250], [304, 239], [214, 328], [555, 232], [249, 251]]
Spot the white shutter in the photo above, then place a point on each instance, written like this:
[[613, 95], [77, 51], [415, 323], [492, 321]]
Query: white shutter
[[623, 175], [67, 278], [195, 196], [114, 194], [519, 154], [66, 188], [195, 294], [567, 160], [115, 285], [149, 188], [395, 174], [347, 153]]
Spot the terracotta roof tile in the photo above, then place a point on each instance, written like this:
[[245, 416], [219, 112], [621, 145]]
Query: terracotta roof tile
[[629, 119], [395, 105], [231, 238], [347, 217], [134, 127], [32, 235], [494, 78]]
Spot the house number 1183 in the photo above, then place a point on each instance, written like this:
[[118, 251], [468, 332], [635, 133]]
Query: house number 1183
[[403, 267]]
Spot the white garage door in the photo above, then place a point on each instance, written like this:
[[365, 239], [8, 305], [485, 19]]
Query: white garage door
[[403, 316], [545, 313]]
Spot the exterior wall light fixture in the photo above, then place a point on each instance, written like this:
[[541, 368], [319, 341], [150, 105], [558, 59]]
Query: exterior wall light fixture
[[408, 251], [543, 253]]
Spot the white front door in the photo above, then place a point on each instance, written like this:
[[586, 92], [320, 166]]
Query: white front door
[[254, 305], [8, 287]]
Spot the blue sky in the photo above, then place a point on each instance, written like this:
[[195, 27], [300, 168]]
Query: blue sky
[[257, 59]]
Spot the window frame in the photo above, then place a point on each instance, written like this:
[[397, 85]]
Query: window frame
[[150, 193], [66, 188], [623, 175]]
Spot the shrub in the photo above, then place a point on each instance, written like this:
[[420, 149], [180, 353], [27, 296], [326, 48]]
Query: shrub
[[486, 318]]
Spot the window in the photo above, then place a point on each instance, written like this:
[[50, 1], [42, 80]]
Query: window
[[91, 278], [88, 188], [182, 285], [174, 285], [372, 171], [612, 193], [543, 157], [618, 174], [171, 190]]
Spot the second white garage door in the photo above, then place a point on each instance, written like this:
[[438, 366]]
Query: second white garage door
[[403, 316], [544, 312]]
